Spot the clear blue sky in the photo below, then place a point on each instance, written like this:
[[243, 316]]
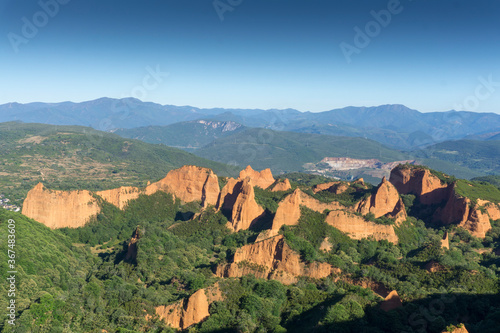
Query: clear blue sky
[[264, 54]]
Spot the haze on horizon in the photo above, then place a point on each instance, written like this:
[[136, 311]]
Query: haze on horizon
[[309, 56]]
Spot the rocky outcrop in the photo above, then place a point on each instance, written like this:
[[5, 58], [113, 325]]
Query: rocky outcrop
[[60, 209], [272, 259], [445, 242], [334, 187], [457, 209], [477, 223], [420, 182], [288, 212], [132, 245], [460, 328], [120, 196], [433, 266], [238, 197], [189, 183], [391, 302], [385, 202], [492, 209], [326, 245], [191, 310], [282, 185], [262, 179], [245, 211], [358, 228]]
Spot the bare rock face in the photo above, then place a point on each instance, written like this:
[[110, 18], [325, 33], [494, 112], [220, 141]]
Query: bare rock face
[[59, 209], [262, 179], [477, 223], [457, 329], [272, 259], [189, 183], [288, 212], [433, 266], [391, 302], [357, 228], [492, 209], [445, 242], [239, 197], [334, 187], [120, 196], [283, 185], [385, 202], [132, 245], [420, 182], [326, 245], [457, 209], [191, 310]]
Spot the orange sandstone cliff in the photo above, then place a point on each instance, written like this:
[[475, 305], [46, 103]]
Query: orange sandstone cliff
[[455, 209], [59, 209], [288, 212], [238, 197], [272, 259], [420, 182], [262, 179], [385, 202], [391, 302], [190, 310], [357, 227], [282, 185], [189, 183], [120, 196]]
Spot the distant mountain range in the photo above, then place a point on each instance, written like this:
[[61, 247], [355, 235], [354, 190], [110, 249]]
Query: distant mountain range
[[393, 125]]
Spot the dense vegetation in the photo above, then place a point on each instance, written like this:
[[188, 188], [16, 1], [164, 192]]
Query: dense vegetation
[[482, 156], [188, 135], [73, 157], [289, 151], [91, 278]]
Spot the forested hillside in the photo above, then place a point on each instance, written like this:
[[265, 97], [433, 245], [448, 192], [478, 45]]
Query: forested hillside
[[160, 263]]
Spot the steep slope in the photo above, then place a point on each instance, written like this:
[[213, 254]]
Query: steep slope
[[457, 201], [59, 209]]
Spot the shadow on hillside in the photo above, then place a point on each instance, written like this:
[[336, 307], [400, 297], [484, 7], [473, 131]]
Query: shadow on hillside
[[479, 313]]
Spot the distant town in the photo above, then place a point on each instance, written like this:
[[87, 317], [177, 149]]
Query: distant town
[[5, 203]]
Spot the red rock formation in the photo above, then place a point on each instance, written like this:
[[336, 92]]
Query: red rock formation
[[326, 245], [59, 209], [357, 228], [445, 242], [189, 183], [420, 182], [120, 196], [433, 266], [263, 179], [288, 212], [385, 202], [477, 223], [492, 209], [282, 185], [245, 210], [132, 245], [334, 187], [391, 302], [191, 310], [272, 259], [457, 329], [457, 209]]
